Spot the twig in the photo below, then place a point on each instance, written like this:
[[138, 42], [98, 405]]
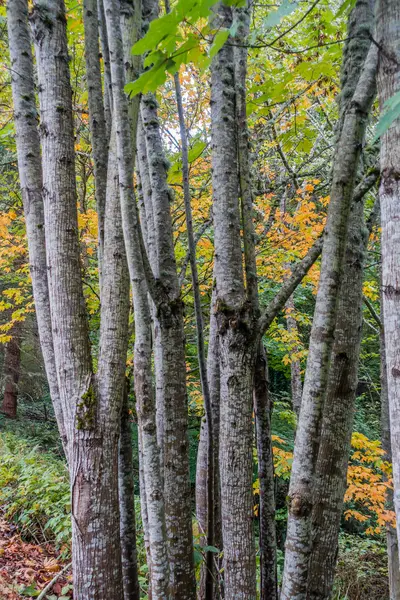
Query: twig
[[52, 582]]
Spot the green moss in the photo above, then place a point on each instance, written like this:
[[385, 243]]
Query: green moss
[[86, 409]]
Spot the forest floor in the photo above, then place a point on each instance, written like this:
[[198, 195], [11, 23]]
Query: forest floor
[[26, 568]]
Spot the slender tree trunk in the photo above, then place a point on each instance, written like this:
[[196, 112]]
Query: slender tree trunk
[[298, 541], [213, 375], [172, 337], [263, 410], [391, 534], [210, 480], [388, 37], [30, 175], [139, 273], [11, 372], [337, 423], [295, 367], [127, 505], [96, 114]]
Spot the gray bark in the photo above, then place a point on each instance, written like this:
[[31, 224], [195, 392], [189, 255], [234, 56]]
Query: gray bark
[[237, 339], [295, 367], [210, 479], [172, 338], [298, 541], [30, 175], [331, 470], [96, 115], [263, 410], [388, 38], [127, 504], [391, 534], [91, 403], [124, 123]]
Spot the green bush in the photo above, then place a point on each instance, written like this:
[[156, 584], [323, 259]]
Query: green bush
[[34, 491], [362, 569]]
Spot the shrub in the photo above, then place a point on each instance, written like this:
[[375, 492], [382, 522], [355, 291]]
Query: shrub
[[34, 491]]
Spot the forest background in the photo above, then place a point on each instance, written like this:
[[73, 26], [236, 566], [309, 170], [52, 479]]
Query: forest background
[[295, 53]]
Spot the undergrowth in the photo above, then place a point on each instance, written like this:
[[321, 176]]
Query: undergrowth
[[34, 492]]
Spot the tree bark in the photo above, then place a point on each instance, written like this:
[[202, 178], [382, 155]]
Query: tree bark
[[337, 423], [30, 175], [11, 372], [391, 534], [388, 38], [295, 367], [172, 338], [237, 339], [263, 410], [298, 541], [127, 505], [96, 115], [91, 403]]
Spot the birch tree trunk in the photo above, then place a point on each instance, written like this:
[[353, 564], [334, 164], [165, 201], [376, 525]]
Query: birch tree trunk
[[30, 176], [388, 36], [91, 403], [298, 541]]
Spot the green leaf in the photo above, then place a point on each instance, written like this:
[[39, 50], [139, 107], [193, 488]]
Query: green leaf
[[275, 17], [196, 151], [219, 41], [346, 6], [391, 112], [211, 549], [30, 590]]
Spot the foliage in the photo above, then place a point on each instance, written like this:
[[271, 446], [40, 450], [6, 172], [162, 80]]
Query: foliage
[[34, 491], [362, 571]]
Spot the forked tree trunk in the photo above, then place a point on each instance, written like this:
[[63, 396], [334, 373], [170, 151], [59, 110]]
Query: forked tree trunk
[[30, 175], [91, 403], [337, 422], [11, 372], [298, 541], [388, 37]]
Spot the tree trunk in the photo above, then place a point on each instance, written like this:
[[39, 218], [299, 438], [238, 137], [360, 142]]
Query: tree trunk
[[295, 367], [213, 374], [388, 36], [172, 338], [11, 372], [263, 410], [337, 422], [127, 505], [237, 340], [91, 403], [96, 115], [30, 175], [298, 541], [391, 534]]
